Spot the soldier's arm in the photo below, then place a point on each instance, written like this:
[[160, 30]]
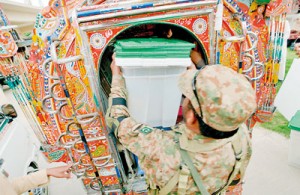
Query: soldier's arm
[[140, 139]]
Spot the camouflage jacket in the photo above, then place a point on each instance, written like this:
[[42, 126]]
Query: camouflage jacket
[[159, 155]]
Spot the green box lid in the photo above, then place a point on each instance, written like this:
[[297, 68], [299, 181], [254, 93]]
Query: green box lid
[[153, 48], [294, 123]]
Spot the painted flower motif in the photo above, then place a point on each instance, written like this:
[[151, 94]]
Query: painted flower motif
[[97, 41], [199, 26]]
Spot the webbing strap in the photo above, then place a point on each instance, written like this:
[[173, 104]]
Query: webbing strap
[[114, 123], [186, 158], [183, 180], [170, 185], [121, 118], [119, 101], [153, 192], [236, 144], [238, 152]]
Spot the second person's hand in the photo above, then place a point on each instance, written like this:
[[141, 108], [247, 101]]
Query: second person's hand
[[60, 172]]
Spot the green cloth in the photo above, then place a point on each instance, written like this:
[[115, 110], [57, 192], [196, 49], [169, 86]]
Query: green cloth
[[262, 2], [153, 48]]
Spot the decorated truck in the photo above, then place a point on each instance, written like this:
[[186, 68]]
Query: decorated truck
[[68, 72]]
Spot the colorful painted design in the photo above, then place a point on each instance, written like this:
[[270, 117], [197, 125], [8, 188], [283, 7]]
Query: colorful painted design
[[57, 155], [63, 92], [229, 51], [278, 7], [186, 23], [8, 46], [97, 41], [199, 26], [259, 26]]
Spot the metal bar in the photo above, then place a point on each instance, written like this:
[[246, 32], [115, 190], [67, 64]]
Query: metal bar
[[44, 68], [128, 2], [259, 76], [67, 95], [102, 164], [146, 10], [52, 93], [24, 43], [8, 27], [45, 108], [102, 157], [146, 19], [239, 38], [62, 60], [97, 12], [107, 192], [68, 129], [254, 44], [252, 63], [95, 84], [87, 118], [212, 42]]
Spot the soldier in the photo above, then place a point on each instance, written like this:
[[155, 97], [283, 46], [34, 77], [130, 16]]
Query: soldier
[[203, 154]]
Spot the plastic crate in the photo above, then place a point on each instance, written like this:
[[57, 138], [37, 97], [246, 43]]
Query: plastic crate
[[151, 68]]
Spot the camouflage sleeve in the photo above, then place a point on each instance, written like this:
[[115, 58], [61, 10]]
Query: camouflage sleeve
[[140, 139], [118, 91]]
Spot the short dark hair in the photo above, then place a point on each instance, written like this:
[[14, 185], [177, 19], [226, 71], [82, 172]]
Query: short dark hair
[[208, 131]]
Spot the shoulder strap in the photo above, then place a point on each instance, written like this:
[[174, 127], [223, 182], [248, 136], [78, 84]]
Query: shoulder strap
[[170, 185], [236, 145], [183, 179], [186, 158], [238, 152], [174, 180]]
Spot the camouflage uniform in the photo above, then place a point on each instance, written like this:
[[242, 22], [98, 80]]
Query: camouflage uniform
[[157, 152]]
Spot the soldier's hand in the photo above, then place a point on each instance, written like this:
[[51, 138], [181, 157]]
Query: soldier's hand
[[196, 57], [114, 68]]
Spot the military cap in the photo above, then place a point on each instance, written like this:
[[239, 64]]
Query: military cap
[[226, 97]]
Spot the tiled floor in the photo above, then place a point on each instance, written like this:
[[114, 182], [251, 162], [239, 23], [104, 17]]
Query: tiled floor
[[268, 172]]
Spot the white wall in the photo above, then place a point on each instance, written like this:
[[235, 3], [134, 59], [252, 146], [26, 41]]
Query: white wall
[[287, 100], [19, 14]]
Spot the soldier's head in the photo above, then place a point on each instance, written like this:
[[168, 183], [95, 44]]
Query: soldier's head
[[218, 100]]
